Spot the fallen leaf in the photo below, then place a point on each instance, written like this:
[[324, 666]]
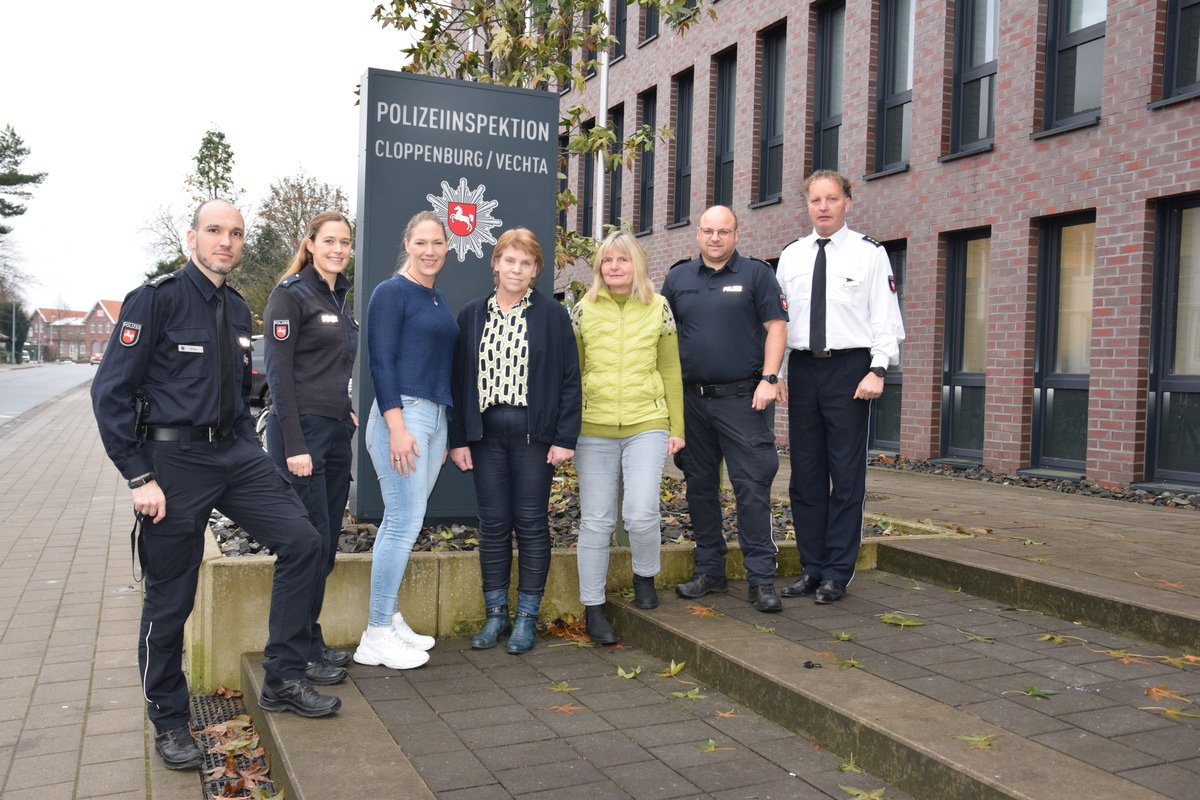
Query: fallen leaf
[[633, 673], [672, 670], [562, 686], [1033, 691], [691, 694], [847, 764], [900, 619], [858, 794], [704, 611], [977, 741], [565, 708], [1161, 691], [843, 636], [726, 714], [763, 629]]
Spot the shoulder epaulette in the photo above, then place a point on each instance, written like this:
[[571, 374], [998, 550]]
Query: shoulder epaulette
[[290, 279], [680, 261], [872, 241], [161, 279], [229, 288]]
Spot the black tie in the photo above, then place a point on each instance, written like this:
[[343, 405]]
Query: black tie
[[816, 311], [225, 364]]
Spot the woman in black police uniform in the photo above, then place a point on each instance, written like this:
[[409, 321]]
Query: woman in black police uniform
[[311, 339], [182, 344]]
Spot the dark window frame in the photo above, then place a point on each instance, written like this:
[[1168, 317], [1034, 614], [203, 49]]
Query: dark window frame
[[618, 28], [650, 24], [616, 175], [587, 203], [824, 121], [770, 119], [1176, 11], [648, 113], [953, 378], [894, 380], [1059, 42], [1164, 381], [965, 74], [684, 88], [725, 132], [564, 181], [1045, 380], [887, 101]]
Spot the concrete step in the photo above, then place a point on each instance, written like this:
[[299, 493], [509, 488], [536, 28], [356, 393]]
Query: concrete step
[[956, 674]]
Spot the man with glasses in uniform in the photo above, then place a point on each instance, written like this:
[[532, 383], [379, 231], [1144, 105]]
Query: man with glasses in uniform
[[732, 324]]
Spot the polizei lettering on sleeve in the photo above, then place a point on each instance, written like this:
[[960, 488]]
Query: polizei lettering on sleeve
[[449, 119]]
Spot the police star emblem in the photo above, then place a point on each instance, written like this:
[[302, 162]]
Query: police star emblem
[[467, 216]]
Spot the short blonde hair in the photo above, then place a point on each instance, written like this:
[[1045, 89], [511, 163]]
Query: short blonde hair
[[626, 243]]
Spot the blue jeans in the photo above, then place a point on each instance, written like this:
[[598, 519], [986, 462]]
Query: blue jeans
[[603, 465], [404, 499], [512, 487]]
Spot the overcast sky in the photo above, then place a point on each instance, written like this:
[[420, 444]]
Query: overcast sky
[[113, 100]]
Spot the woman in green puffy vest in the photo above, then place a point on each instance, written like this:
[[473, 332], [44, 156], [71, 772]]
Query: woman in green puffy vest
[[632, 419]]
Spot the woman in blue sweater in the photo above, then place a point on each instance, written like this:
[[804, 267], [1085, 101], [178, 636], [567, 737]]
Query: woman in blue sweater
[[410, 347], [516, 417]]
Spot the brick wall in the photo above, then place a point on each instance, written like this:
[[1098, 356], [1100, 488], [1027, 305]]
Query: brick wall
[[1118, 168]]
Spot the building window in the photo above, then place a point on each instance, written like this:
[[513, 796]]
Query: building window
[[770, 141], [589, 47], [964, 366], [616, 183], [1183, 48], [726, 70], [564, 172], [588, 201], [681, 205], [885, 412], [1064, 343], [1074, 62], [620, 22], [827, 127], [1175, 371], [894, 123], [649, 23], [975, 43], [648, 113]]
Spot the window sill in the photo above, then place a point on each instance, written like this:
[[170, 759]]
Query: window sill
[[883, 173], [770, 201], [1089, 122], [974, 150], [680, 224], [648, 40], [646, 232], [1191, 94]]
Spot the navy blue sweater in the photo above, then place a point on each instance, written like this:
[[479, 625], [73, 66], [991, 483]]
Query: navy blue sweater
[[410, 343]]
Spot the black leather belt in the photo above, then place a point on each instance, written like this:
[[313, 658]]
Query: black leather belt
[[831, 353], [720, 389], [161, 434]]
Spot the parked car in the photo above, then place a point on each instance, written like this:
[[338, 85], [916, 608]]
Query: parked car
[[260, 394], [97, 358]]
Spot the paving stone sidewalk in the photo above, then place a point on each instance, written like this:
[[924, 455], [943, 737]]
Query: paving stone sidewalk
[[486, 725]]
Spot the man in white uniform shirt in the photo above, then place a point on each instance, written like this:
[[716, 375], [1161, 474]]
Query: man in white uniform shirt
[[843, 332]]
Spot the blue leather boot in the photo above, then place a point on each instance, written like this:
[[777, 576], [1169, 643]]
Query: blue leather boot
[[525, 626], [497, 626]]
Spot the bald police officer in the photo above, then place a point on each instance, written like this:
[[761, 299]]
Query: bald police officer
[[844, 332], [732, 331], [180, 352]]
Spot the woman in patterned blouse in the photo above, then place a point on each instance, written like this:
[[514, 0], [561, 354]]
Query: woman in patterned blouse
[[516, 417]]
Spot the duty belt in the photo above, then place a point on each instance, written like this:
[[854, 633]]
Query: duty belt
[[830, 353], [721, 389], [158, 433]]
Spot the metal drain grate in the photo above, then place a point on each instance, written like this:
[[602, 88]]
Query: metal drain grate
[[207, 710]]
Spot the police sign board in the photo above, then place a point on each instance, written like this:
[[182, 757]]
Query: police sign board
[[485, 159]]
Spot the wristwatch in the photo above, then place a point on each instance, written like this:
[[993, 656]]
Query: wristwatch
[[142, 481], [771, 379], [880, 371]]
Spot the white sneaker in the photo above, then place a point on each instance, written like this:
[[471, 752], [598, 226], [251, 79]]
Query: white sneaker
[[409, 636], [381, 646]]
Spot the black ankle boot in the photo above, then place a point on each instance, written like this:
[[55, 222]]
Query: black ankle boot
[[597, 626], [644, 593]]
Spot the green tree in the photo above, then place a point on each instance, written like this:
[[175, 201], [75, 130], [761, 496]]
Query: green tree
[[528, 43], [213, 178], [13, 153]]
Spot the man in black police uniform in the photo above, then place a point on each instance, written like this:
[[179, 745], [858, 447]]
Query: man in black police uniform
[[732, 332], [181, 346], [844, 332]]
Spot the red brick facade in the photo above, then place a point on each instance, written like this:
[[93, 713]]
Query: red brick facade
[[1140, 152]]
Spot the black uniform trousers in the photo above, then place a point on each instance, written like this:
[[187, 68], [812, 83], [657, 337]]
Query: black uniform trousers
[[323, 493], [236, 476], [828, 435], [729, 427]]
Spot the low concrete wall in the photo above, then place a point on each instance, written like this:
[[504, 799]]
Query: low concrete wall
[[440, 596]]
